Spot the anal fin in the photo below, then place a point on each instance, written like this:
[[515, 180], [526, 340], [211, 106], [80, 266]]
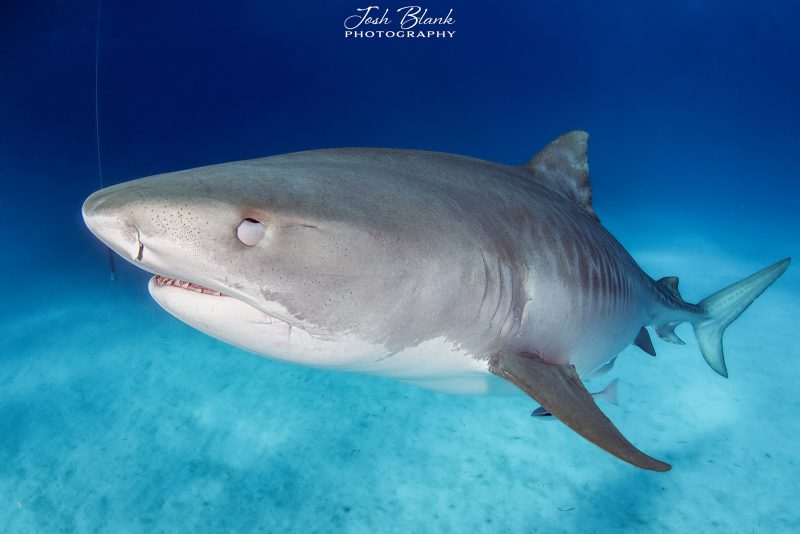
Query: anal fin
[[560, 391], [644, 342]]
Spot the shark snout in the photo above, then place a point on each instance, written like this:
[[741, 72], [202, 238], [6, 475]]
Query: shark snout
[[107, 219]]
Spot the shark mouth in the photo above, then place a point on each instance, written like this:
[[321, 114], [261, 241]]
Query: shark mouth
[[182, 284], [165, 281]]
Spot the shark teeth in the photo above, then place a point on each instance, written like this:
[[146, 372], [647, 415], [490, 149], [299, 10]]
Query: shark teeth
[[165, 281]]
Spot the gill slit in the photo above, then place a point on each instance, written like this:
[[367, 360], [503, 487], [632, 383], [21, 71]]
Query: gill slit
[[140, 251], [499, 291], [485, 283], [505, 328]]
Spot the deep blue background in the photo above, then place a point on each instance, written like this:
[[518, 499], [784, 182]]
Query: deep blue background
[[692, 106], [116, 417]]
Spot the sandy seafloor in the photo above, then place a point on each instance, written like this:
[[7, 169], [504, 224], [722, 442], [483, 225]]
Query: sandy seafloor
[[116, 417]]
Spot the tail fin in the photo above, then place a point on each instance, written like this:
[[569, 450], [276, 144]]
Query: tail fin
[[722, 308]]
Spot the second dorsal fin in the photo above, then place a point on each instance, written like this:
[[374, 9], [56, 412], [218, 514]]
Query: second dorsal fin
[[564, 166], [671, 284]]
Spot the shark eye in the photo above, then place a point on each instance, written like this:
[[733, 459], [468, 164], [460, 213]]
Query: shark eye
[[250, 232]]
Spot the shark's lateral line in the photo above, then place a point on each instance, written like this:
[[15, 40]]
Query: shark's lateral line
[[441, 270]]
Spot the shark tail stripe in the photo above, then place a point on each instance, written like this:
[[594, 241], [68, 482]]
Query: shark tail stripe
[[722, 308]]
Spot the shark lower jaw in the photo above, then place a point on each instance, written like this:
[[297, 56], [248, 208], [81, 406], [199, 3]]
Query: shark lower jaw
[[183, 299]]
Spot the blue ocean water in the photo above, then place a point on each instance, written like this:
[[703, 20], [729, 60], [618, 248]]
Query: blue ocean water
[[116, 417]]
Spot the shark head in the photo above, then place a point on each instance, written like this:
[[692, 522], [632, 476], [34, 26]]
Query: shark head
[[285, 256], [249, 253]]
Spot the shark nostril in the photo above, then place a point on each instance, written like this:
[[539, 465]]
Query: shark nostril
[[139, 245]]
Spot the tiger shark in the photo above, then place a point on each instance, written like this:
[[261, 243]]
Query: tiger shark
[[442, 270]]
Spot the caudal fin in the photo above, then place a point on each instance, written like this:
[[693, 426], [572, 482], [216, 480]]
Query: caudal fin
[[722, 308]]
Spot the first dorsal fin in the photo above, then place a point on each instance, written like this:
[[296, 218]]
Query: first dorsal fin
[[564, 165]]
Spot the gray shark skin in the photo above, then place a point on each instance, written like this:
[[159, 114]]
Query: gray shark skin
[[437, 269]]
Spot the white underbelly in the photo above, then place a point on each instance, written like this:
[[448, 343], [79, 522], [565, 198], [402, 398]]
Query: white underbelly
[[435, 364]]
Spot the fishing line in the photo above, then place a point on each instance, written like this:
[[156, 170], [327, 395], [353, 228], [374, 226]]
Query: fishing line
[[97, 125]]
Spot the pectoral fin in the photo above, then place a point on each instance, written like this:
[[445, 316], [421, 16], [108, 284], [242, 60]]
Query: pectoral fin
[[560, 391]]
